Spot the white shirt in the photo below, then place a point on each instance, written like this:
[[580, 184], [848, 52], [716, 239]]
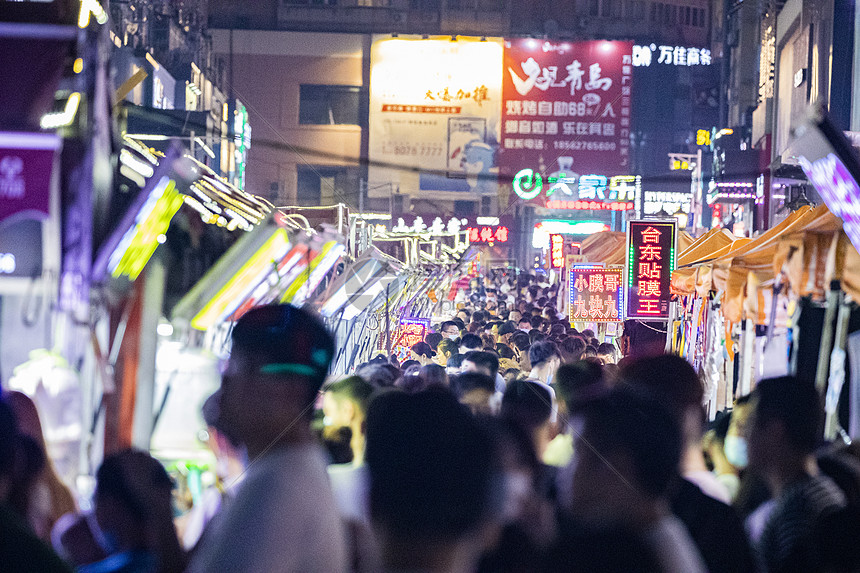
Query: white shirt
[[283, 519], [710, 485], [351, 488], [673, 547]]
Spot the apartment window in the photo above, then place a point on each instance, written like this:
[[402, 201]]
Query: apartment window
[[491, 5], [464, 208], [320, 185], [486, 205], [328, 105]]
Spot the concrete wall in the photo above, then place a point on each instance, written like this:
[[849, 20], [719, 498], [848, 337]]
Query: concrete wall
[[267, 70]]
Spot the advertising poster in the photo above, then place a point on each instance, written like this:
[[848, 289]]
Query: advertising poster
[[566, 110], [650, 262], [410, 332], [595, 294], [434, 116]]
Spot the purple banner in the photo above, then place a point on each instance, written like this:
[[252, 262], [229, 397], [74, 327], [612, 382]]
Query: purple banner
[[26, 167]]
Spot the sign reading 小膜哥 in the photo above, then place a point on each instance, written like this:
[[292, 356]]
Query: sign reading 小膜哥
[[650, 262], [596, 294]]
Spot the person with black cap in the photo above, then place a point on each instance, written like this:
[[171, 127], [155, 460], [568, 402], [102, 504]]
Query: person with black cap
[[506, 332], [284, 516]]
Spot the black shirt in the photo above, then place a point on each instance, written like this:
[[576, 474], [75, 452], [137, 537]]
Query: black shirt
[[715, 528], [21, 551]]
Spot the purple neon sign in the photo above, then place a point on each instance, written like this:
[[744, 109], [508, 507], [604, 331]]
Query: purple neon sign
[[839, 190]]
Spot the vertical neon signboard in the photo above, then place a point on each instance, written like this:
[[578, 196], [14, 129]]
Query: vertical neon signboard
[[650, 262], [556, 251], [596, 294]]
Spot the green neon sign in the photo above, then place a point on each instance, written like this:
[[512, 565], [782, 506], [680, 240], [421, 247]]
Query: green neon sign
[[528, 184]]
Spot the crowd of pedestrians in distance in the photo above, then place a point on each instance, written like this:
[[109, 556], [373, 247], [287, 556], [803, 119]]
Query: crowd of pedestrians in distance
[[508, 441]]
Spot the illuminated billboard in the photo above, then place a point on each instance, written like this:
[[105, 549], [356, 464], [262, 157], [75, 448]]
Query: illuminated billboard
[[566, 107], [556, 251], [596, 294], [581, 192], [650, 262], [434, 115], [543, 229], [410, 332]]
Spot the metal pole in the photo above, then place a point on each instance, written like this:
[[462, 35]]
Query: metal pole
[[387, 322], [837, 371], [747, 352], [825, 348], [697, 197]]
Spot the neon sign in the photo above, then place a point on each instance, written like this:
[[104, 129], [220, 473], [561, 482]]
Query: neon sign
[[7, 263], [572, 191], [410, 332], [596, 294], [556, 251], [488, 234], [670, 56], [650, 262], [543, 229], [589, 205], [528, 184], [140, 241], [840, 191]]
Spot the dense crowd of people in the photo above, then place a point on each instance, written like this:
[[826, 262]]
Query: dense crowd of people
[[507, 442]]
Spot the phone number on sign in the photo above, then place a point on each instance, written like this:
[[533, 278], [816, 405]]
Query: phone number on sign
[[586, 145], [425, 150]]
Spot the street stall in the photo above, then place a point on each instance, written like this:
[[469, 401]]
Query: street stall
[[278, 261], [780, 303]]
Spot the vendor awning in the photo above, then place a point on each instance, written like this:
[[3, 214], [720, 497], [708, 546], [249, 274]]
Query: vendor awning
[[607, 247]]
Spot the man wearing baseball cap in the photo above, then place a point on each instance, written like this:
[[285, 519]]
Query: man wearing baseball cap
[[283, 517]]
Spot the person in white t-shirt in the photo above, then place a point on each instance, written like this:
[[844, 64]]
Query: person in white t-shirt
[[283, 517]]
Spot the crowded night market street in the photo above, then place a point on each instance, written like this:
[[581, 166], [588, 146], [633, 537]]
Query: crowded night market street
[[429, 286]]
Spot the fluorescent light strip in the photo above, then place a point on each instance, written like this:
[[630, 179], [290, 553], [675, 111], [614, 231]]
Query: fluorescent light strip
[[62, 118]]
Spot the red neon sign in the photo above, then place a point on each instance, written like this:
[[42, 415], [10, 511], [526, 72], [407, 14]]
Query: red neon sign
[[488, 234], [590, 205], [650, 262], [556, 251], [595, 294]]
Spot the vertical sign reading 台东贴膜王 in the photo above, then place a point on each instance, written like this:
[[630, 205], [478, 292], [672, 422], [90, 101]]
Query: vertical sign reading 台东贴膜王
[[596, 294], [566, 108], [650, 262]]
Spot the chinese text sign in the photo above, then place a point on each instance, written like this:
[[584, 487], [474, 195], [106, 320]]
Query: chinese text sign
[[488, 234], [566, 107], [595, 294], [556, 251], [650, 262], [434, 115]]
